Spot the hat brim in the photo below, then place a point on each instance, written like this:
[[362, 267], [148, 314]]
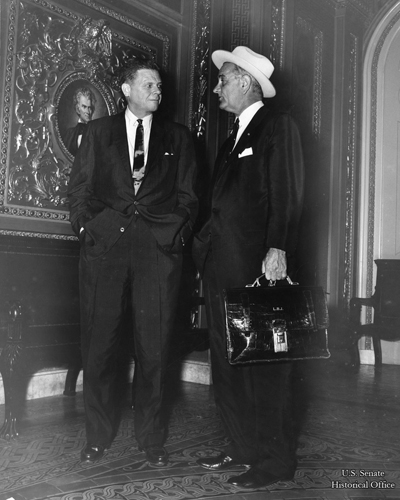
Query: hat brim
[[220, 57]]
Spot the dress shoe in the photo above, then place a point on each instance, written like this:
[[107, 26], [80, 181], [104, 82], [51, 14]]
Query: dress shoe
[[254, 479], [156, 455], [220, 462], [92, 453]]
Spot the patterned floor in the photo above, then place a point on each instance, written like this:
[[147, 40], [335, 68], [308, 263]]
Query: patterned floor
[[348, 424]]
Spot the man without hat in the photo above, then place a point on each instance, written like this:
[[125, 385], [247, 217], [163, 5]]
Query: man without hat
[[84, 102], [255, 206], [133, 206]]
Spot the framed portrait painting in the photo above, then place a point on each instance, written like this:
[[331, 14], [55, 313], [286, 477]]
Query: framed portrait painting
[[78, 101]]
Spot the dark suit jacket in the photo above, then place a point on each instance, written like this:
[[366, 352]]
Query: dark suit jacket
[[256, 198], [71, 137], [101, 193]]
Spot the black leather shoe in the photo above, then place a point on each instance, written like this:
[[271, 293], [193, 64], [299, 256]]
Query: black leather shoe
[[92, 453], [220, 462], [156, 455], [254, 479]]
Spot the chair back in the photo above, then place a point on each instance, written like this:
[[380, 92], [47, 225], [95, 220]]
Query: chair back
[[387, 292]]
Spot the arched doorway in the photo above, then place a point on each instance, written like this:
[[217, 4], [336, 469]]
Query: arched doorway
[[379, 208]]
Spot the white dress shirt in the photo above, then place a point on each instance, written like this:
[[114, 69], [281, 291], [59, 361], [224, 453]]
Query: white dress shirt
[[245, 118], [131, 126], [79, 138]]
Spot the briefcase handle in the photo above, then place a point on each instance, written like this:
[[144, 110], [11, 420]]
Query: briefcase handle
[[271, 282]]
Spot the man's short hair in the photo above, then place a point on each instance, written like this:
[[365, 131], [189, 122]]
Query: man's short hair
[[85, 92], [129, 70]]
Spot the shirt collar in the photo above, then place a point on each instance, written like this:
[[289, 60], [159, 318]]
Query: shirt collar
[[247, 115], [132, 119]]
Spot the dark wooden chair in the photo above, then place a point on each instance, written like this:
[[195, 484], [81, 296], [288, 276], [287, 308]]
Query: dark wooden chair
[[386, 305], [23, 354]]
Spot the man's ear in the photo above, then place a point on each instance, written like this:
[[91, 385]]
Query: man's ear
[[246, 83], [125, 89]]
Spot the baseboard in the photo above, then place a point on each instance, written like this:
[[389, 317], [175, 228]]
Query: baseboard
[[50, 382], [45, 383], [367, 357], [198, 373]]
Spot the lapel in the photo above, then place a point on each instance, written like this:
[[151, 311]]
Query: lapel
[[156, 143], [248, 134], [244, 141], [220, 162], [120, 140], [155, 152]]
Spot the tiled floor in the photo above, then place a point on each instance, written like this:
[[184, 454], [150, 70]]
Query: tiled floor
[[348, 422]]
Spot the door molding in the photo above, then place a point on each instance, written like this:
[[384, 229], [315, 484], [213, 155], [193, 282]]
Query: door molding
[[377, 45]]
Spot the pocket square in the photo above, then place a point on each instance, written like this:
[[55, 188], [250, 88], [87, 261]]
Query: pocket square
[[246, 152]]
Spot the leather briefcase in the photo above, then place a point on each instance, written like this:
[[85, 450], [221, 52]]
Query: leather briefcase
[[275, 323]]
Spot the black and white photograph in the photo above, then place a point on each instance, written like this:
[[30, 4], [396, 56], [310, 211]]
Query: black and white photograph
[[199, 249]]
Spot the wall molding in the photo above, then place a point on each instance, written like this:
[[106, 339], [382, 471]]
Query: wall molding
[[352, 119]]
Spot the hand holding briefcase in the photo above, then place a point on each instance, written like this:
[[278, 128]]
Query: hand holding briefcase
[[275, 323]]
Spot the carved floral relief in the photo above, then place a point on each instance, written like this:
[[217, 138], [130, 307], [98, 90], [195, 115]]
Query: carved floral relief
[[51, 52], [47, 51]]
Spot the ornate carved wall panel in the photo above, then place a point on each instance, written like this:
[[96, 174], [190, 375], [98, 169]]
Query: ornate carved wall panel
[[240, 23], [351, 147], [197, 116], [308, 56], [50, 51], [278, 21], [312, 73]]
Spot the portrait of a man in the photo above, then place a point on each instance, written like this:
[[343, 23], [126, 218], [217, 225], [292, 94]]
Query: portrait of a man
[[79, 101], [84, 103]]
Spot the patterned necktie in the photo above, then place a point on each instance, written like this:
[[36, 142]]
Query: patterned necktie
[[138, 156], [233, 135]]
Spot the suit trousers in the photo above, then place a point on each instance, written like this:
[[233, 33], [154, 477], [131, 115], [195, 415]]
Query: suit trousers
[[254, 401], [138, 271]]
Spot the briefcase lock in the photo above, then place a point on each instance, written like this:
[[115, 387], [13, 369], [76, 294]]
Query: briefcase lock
[[280, 335]]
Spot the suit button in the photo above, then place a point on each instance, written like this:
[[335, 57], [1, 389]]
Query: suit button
[[122, 229], [136, 203], [136, 212]]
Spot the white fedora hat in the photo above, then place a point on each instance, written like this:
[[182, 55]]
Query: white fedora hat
[[257, 65]]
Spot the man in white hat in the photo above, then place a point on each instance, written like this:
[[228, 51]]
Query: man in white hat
[[256, 200]]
